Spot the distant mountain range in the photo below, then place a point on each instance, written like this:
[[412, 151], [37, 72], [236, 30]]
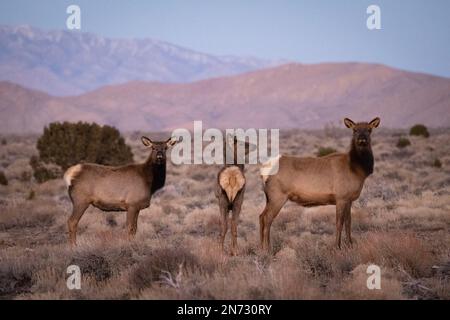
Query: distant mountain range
[[71, 62], [287, 96]]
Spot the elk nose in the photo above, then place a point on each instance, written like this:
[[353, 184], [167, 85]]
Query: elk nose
[[362, 140], [159, 156]]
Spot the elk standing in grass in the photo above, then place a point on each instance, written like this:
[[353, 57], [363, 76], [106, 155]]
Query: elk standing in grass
[[336, 179], [125, 188], [230, 189]]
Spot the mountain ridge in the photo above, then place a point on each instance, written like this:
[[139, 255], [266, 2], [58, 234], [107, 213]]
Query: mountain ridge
[[287, 96], [62, 62]]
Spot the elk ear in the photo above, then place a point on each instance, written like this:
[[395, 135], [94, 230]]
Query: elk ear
[[172, 141], [374, 123], [349, 123], [146, 141]]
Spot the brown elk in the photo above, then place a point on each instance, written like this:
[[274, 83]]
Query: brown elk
[[230, 188], [124, 188], [336, 179]]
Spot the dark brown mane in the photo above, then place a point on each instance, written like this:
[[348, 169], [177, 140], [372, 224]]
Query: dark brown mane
[[362, 158], [158, 176]]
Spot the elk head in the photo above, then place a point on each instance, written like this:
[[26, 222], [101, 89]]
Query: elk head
[[362, 131], [159, 148]]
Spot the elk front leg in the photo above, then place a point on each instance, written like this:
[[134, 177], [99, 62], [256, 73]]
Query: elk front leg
[[132, 218], [348, 223], [341, 207]]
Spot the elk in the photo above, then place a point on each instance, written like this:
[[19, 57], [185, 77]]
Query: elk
[[230, 189], [123, 188], [336, 179]]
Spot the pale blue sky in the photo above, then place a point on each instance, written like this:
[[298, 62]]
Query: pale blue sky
[[415, 34]]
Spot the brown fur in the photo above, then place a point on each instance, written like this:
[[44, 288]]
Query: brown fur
[[124, 188], [336, 179], [231, 179], [230, 189], [71, 174]]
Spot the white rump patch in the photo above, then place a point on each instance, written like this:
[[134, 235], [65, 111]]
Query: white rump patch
[[269, 168], [231, 180], [71, 173]]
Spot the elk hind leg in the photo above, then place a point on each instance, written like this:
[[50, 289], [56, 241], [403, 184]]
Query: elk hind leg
[[235, 220], [79, 207], [272, 209], [223, 206], [132, 218]]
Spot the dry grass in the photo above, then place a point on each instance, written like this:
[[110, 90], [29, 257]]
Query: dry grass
[[401, 223]]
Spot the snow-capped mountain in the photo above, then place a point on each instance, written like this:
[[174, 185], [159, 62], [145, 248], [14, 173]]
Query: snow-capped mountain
[[72, 62]]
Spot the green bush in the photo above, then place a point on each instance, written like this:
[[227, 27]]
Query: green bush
[[403, 142], [323, 151], [66, 144], [3, 179], [419, 130], [42, 171], [437, 163]]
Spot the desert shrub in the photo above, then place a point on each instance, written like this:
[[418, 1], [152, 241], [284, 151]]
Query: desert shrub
[[111, 221], [399, 250], [354, 286], [323, 151], [40, 214], [403, 142], [437, 163], [94, 265], [14, 282], [66, 144], [4, 142], [161, 262], [3, 179], [199, 176], [43, 172], [316, 263], [419, 130], [25, 176]]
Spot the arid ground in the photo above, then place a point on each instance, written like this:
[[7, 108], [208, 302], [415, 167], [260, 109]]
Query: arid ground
[[401, 223]]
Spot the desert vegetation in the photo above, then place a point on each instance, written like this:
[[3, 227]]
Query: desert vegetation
[[3, 179], [419, 130], [403, 142], [65, 144], [401, 222]]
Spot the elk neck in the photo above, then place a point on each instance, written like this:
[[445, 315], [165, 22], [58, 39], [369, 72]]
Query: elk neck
[[361, 157], [156, 173]]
